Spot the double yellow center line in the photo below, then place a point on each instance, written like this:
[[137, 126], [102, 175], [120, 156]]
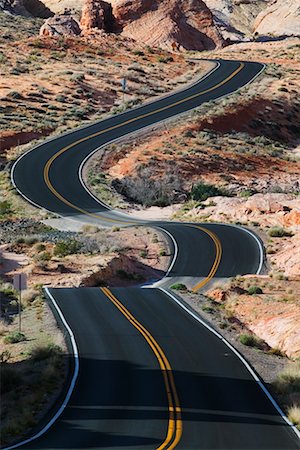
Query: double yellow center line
[[174, 432], [217, 259], [114, 127]]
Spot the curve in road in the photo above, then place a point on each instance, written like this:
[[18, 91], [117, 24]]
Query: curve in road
[[205, 402]]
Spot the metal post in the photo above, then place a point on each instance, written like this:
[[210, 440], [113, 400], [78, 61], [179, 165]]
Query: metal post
[[20, 306]]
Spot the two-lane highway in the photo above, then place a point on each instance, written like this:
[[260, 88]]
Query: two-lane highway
[[150, 374], [132, 343]]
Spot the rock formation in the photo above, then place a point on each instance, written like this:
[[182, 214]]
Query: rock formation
[[188, 23], [97, 14], [26, 8], [280, 18], [60, 25], [235, 17]]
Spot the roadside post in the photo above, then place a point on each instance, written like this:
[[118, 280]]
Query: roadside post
[[20, 284], [124, 86]]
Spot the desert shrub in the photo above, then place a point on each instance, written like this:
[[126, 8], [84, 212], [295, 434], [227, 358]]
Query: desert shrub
[[165, 59], [40, 247], [29, 296], [250, 340], [145, 190], [42, 352], [254, 290], [30, 240], [2, 58], [179, 287], [10, 379], [15, 94], [14, 337], [203, 191], [77, 77], [276, 351], [69, 247], [5, 208], [288, 381], [280, 232], [293, 414], [43, 257]]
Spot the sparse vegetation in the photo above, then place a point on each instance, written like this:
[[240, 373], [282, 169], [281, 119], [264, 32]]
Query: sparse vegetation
[[203, 191], [14, 337], [250, 340], [254, 290], [280, 232], [178, 287], [64, 248]]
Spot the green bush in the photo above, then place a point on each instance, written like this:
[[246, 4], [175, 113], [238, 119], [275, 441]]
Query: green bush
[[280, 232], [5, 208], [179, 287], [40, 247], [250, 340], [64, 248], [14, 337], [203, 191], [255, 290]]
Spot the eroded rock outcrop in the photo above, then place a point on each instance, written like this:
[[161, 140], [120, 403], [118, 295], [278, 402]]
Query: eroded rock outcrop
[[26, 8], [280, 18], [188, 23], [60, 25], [97, 14], [235, 17]]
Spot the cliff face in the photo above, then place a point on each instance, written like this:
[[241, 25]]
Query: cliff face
[[187, 23], [280, 18]]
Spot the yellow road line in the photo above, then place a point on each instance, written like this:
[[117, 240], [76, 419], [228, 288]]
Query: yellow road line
[[174, 432], [217, 259], [68, 147]]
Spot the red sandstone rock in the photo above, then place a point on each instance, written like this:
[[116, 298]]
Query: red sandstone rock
[[188, 23], [97, 14]]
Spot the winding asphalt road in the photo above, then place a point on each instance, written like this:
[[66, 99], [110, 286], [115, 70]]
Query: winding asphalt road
[[148, 373]]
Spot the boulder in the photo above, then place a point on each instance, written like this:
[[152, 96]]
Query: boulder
[[60, 25]]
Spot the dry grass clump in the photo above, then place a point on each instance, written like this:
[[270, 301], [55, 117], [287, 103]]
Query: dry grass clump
[[293, 414], [29, 296], [288, 381]]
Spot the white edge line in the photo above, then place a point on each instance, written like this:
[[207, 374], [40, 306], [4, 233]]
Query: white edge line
[[169, 119], [259, 244], [175, 251], [240, 356], [72, 384], [156, 99]]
